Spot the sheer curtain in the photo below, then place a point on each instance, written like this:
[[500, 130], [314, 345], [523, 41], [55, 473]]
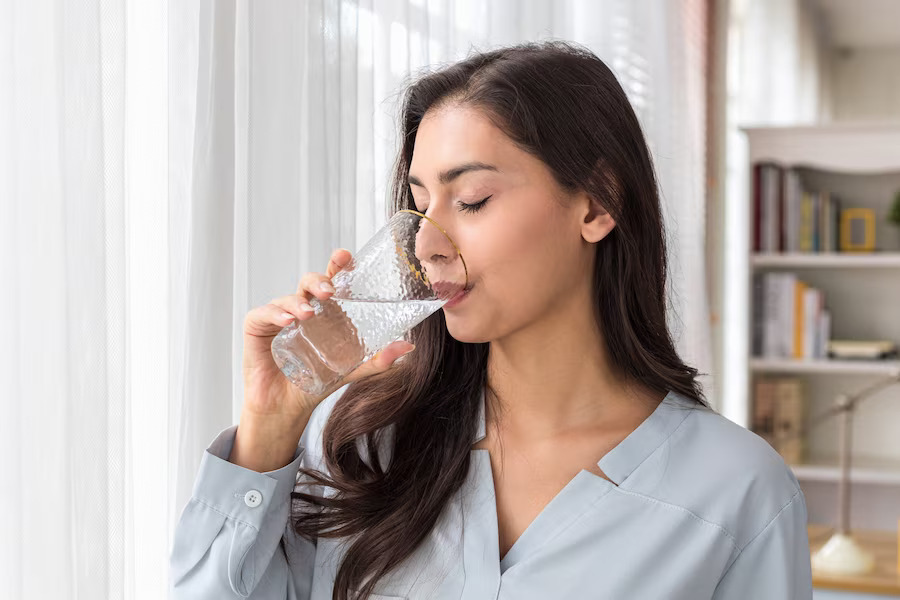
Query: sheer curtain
[[83, 311], [166, 166]]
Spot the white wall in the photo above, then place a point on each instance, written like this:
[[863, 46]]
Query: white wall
[[866, 84]]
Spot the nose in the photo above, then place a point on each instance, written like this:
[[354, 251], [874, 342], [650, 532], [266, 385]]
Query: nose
[[438, 255], [433, 247]]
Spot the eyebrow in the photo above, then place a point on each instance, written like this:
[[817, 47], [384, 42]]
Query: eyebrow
[[451, 174]]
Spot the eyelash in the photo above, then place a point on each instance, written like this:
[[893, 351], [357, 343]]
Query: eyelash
[[472, 208]]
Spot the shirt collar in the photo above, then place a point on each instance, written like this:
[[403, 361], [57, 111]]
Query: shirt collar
[[653, 432]]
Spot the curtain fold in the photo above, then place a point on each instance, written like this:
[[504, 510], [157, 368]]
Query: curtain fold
[[203, 298], [82, 87], [167, 166]]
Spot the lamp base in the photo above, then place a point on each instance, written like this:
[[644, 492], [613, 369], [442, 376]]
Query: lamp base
[[841, 555]]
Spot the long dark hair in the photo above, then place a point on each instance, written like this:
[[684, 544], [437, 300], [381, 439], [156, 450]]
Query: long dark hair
[[562, 104]]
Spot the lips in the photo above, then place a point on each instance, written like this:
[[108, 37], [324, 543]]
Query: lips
[[459, 297], [448, 290]]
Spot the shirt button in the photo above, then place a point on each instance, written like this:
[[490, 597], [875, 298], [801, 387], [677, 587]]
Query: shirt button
[[253, 498]]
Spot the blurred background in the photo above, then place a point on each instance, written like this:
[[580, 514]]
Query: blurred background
[[167, 166]]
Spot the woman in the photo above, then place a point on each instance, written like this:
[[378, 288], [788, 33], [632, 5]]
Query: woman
[[544, 440]]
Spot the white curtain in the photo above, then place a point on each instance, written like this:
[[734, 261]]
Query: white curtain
[[83, 312], [779, 62], [167, 166]]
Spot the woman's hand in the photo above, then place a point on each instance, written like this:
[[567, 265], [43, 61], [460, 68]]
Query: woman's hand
[[276, 411]]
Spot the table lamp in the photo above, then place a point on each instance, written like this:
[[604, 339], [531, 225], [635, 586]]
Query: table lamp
[[841, 554]]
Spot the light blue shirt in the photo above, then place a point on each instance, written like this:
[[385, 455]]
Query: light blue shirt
[[697, 507]]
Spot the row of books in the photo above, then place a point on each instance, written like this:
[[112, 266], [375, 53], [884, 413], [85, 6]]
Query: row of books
[[779, 412], [788, 218], [789, 318]]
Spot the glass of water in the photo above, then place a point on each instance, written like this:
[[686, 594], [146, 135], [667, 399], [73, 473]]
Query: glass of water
[[407, 271]]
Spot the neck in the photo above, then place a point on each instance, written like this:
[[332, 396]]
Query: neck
[[555, 377]]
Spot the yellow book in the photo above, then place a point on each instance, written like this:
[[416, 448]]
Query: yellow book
[[806, 223]]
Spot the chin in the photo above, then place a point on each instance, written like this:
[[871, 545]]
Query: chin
[[463, 331]]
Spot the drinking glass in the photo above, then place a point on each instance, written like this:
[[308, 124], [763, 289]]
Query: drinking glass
[[407, 271]]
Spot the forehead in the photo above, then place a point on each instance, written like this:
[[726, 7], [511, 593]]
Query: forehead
[[455, 134]]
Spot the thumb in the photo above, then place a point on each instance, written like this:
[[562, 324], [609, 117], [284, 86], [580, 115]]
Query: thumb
[[382, 361]]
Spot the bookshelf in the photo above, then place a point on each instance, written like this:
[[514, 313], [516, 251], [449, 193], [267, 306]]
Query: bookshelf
[[859, 165], [868, 471], [826, 260], [824, 366]]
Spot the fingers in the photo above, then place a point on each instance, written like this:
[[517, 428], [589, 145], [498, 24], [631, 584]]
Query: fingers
[[340, 258], [382, 361], [270, 318], [311, 286], [295, 304], [267, 320], [310, 283]]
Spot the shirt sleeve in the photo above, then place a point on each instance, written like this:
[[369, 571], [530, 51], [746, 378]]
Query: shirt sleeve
[[227, 543], [775, 564]]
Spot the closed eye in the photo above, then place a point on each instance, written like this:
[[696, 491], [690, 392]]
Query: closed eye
[[472, 208]]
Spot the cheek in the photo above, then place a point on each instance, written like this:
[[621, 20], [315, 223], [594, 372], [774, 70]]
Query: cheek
[[524, 261], [536, 247], [519, 263]]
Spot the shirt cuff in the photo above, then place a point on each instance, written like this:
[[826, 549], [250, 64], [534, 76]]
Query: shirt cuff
[[238, 492]]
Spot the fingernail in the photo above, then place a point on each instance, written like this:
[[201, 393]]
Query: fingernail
[[326, 287], [306, 306], [287, 316]]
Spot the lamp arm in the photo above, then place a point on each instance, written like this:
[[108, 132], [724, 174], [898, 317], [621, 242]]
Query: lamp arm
[[854, 399], [844, 403], [844, 406]]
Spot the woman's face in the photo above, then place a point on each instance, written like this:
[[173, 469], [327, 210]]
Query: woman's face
[[523, 246]]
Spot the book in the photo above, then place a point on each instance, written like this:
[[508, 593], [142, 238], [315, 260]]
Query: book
[[793, 194], [789, 318], [758, 315], [790, 412], [789, 218], [812, 314], [824, 334], [806, 223], [799, 331], [778, 415], [762, 421], [786, 312], [757, 207], [770, 315], [862, 349]]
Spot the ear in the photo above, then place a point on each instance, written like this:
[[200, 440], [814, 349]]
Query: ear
[[596, 222]]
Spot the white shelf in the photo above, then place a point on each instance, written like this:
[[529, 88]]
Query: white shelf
[[846, 148], [833, 367], [825, 260], [862, 470], [860, 164]]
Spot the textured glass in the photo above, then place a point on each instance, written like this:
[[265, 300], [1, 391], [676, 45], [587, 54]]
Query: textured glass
[[408, 270]]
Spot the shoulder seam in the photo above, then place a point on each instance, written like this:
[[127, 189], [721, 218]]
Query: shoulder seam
[[761, 531], [691, 514]]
